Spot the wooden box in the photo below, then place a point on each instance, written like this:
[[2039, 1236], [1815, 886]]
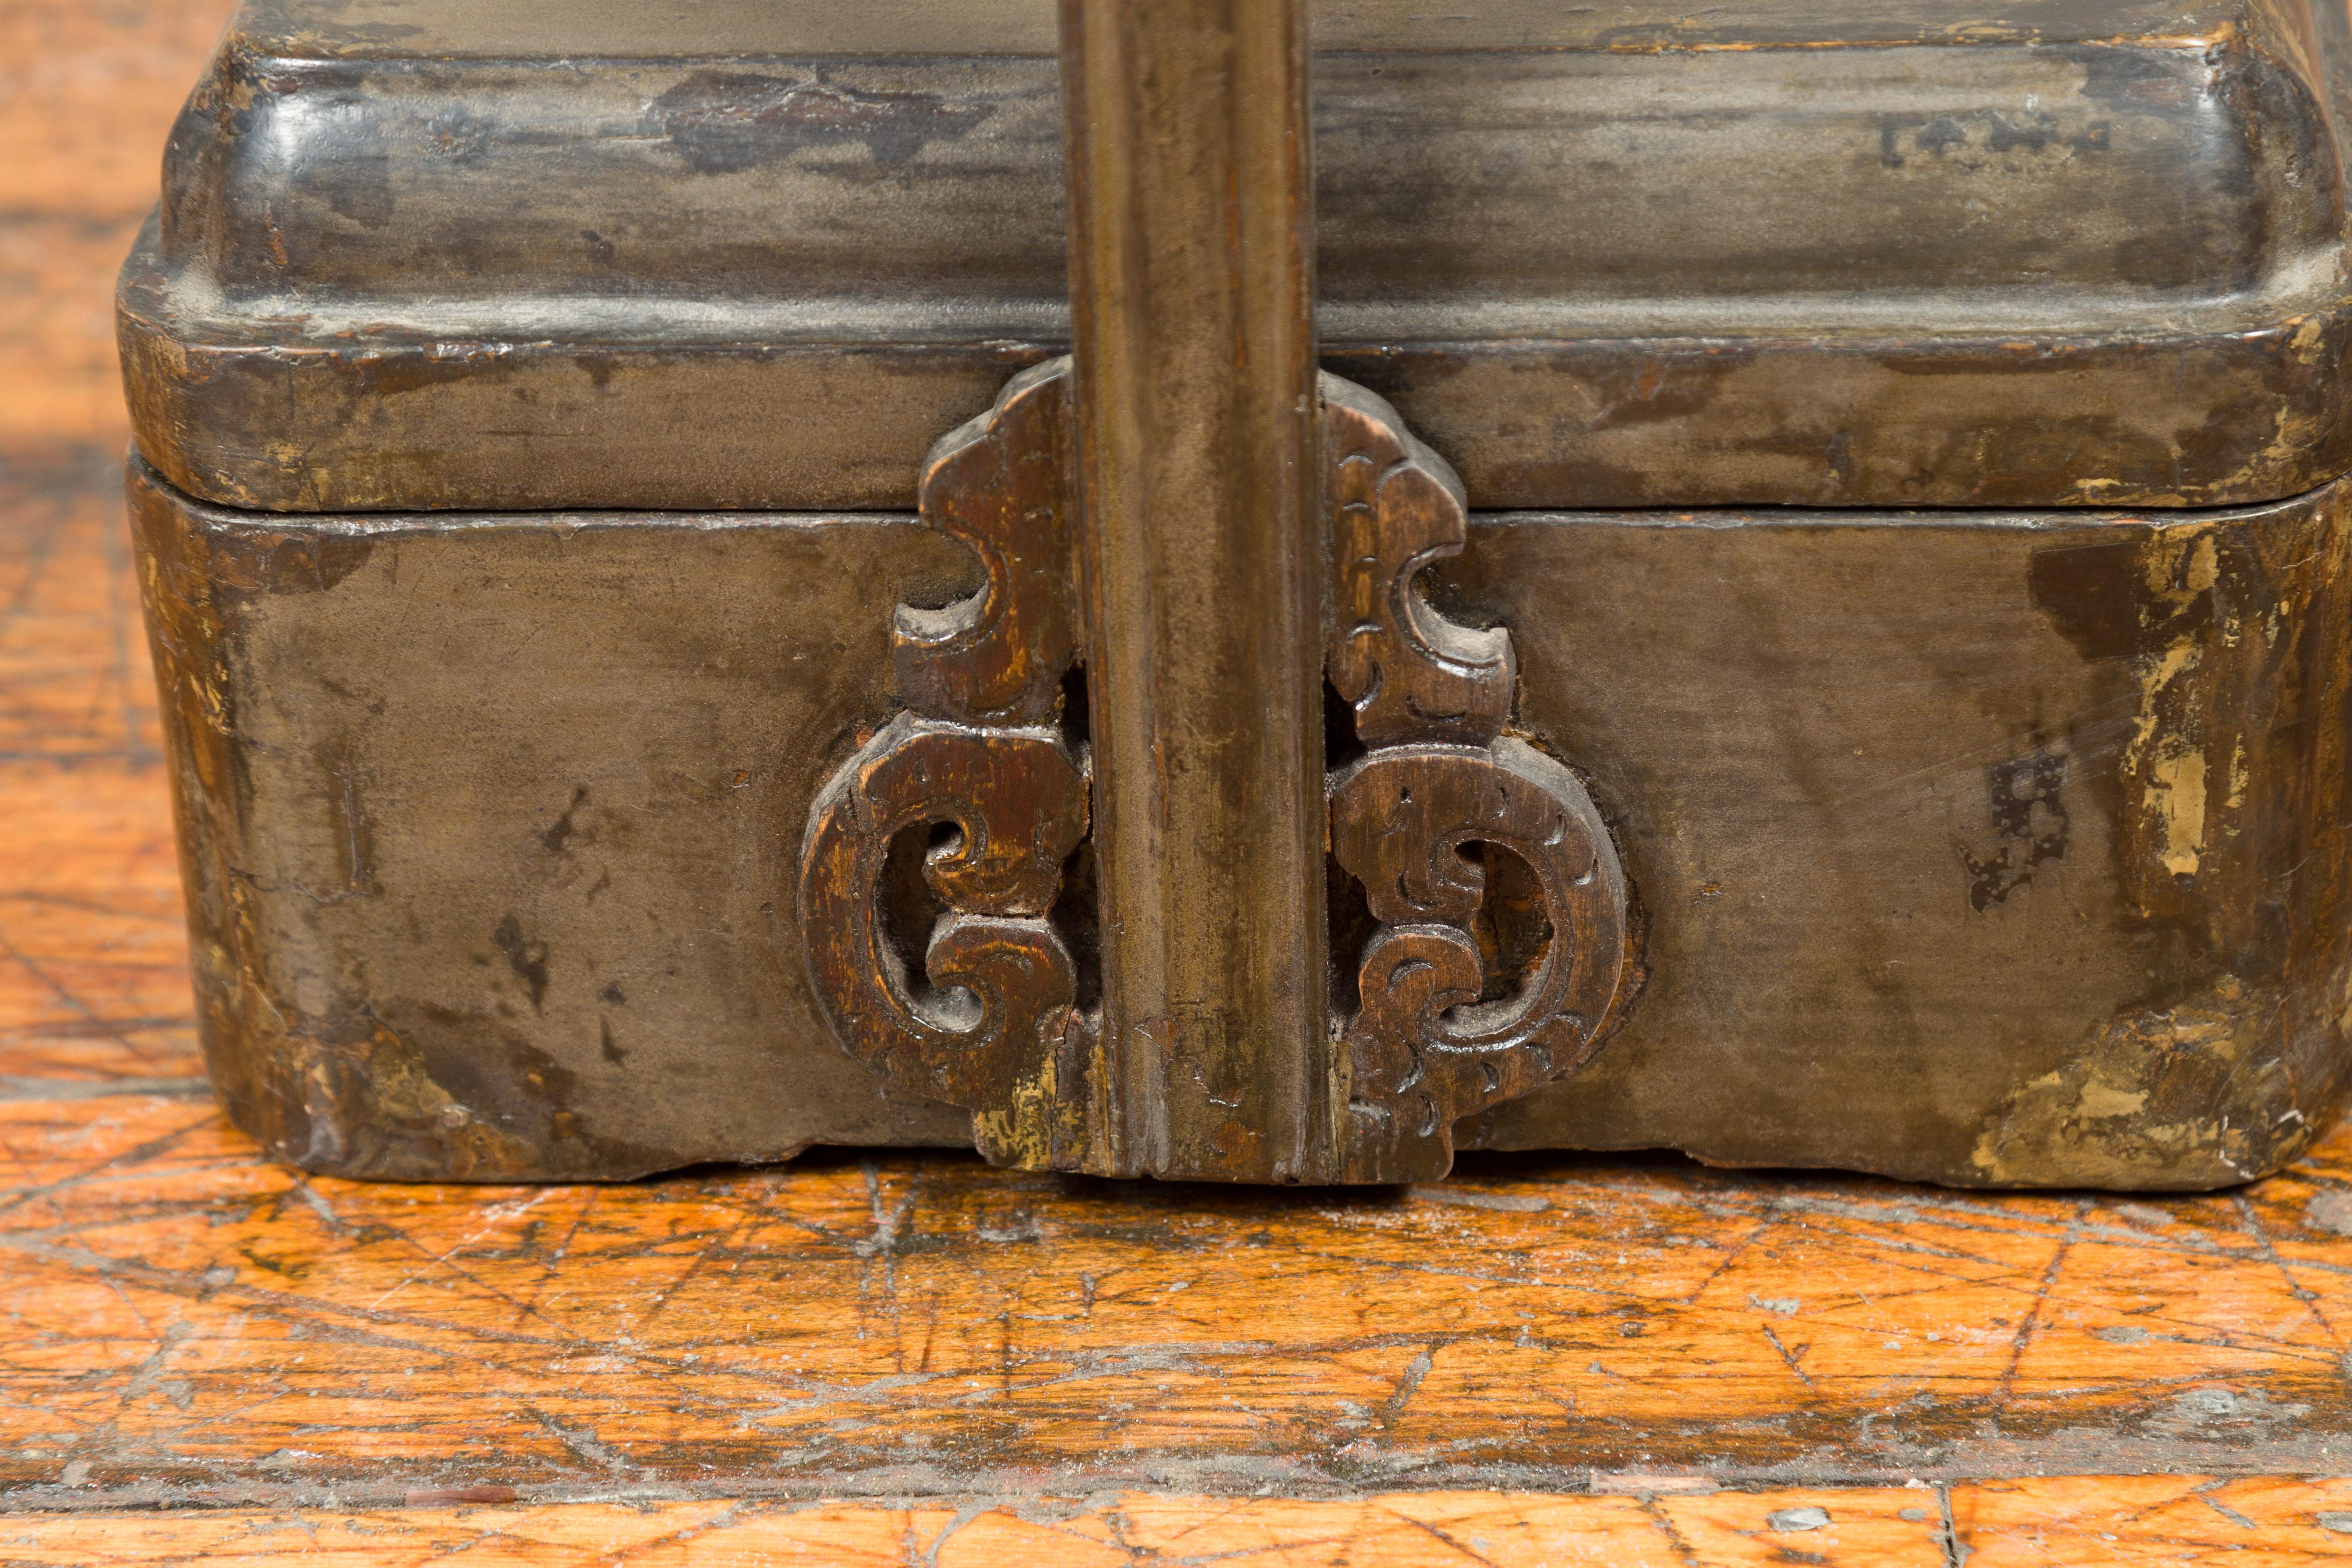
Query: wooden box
[[1902, 452]]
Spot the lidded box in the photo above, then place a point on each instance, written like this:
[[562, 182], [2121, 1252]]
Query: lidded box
[[678, 643]]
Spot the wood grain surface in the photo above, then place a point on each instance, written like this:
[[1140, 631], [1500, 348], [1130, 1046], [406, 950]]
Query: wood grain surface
[[913, 1358]]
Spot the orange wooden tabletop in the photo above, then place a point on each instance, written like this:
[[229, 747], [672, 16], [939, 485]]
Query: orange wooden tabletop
[[891, 1357]]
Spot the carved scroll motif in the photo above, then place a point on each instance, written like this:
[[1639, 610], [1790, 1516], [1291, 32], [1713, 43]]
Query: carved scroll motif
[[1409, 673], [979, 775], [987, 1021], [997, 484], [1430, 699]]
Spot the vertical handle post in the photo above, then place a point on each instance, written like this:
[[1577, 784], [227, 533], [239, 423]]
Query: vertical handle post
[[1191, 270]]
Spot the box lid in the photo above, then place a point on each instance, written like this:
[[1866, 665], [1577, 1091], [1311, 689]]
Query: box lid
[[514, 253]]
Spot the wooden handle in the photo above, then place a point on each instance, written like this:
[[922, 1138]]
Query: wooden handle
[[1191, 277]]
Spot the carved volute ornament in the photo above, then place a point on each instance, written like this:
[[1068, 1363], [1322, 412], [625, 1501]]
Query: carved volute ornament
[[1152, 508], [984, 1018], [1439, 780]]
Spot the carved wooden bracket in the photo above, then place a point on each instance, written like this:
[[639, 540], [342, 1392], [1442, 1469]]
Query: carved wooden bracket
[[988, 1019], [1439, 779], [988, 1023]]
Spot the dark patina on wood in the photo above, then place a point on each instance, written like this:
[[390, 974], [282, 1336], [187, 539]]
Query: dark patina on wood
[[1986, 847]]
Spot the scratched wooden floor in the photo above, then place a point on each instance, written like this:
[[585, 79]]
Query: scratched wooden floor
[[911, 1358]]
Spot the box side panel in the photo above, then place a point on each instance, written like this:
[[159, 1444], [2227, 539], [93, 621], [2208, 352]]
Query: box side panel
[[491, 831], [1985, 851]]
